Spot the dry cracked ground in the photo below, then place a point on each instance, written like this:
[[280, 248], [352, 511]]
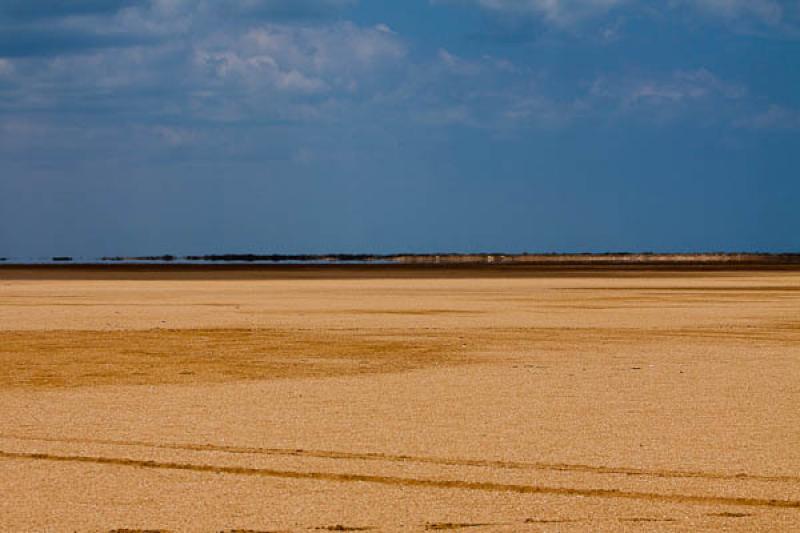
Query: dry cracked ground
[[353, 400]]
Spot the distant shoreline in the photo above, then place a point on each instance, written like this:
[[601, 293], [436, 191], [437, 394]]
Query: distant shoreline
[[571, 259], [407, 266]]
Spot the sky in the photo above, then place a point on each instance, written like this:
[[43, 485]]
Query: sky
[[134, 127]]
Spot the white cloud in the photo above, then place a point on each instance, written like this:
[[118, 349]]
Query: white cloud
[[744, 14], [677, 88], [456, 65], [766, 18], [384, 28], [558, 12], [766, 11], [305, 59], [21, 131], [265, 71], [174, 136], [447, 116], [485, 92], [775, 117], [256, 70], [325, 48], [6, 66], [533, 109]]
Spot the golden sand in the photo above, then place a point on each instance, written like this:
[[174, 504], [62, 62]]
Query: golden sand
[[411, 399]]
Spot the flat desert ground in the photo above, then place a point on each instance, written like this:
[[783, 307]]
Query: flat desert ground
[[410, 399]]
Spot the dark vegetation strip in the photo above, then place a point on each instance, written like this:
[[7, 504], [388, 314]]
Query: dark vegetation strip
[[612, 258]]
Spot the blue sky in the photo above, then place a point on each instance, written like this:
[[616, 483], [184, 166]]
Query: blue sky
[[299, 126]]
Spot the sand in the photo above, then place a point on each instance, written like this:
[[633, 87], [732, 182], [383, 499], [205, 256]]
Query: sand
[[413, 399]]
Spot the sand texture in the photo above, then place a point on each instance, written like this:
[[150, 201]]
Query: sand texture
[[350, 399]]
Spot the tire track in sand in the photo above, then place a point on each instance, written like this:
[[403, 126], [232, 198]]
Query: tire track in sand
[[510, 465], [409, 482]]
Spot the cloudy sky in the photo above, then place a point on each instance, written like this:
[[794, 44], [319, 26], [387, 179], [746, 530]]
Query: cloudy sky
[[288, 126]]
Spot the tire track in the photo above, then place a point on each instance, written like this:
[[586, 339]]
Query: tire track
[[381, 457], [410, 482]]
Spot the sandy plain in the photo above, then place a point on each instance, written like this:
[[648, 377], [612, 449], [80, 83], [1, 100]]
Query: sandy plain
[[491, 399]]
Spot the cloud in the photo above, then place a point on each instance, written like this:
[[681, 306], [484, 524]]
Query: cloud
[[6, 66], [775, 117], [187, 57], [558, 12], [767, 11], [254, 69], [742, 15], [25, 10], [457, 65], [681, 87], [280, 9], [31, 42], [445, 115], [488, 93], [695, 96], [182, 71], [57, 27], [174, 136], [300, 58]]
